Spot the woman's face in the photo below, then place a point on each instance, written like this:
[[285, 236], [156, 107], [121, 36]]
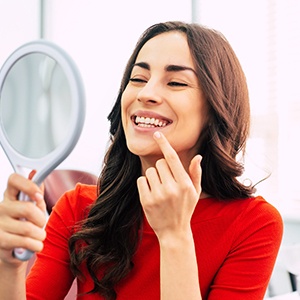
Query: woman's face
[[163, 94]]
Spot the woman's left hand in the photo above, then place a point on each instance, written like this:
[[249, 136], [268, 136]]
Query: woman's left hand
[[168, 193]]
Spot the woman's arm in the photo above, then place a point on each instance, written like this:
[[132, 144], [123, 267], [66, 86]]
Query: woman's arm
[[169, 195], [16, 233], [178, 269], [12, 281]]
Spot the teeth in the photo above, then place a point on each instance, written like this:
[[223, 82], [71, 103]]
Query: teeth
[[149, 122]]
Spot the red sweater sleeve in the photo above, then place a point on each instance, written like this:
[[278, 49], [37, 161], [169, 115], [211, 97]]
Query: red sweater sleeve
[[50, 277]]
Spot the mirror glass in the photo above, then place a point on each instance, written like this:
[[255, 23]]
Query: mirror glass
[[35, 105]]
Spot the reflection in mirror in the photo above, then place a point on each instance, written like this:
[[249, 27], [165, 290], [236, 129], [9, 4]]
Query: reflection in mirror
[[35, 105]]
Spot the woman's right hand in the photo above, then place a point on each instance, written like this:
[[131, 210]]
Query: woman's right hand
[[21, 222]]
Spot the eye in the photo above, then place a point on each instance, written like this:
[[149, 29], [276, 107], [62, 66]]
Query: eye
[[176, 84], [137, 80]]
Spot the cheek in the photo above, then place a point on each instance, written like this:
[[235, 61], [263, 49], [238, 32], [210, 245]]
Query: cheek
[[195, 120], [125, 100], [123, 110]]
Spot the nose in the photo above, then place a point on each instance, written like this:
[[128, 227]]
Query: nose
[[151, 93]]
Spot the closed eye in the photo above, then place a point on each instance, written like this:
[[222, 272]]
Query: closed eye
[[174, 83], [138, 80]]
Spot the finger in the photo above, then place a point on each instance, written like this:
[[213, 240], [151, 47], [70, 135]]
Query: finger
[[22, 210], [153, 178], [10, 241], [195, 172], [24, 228], [170, 156], [39, 200], [42, 187], [29, 211], [144, 189], [164, 171], [17, 183]]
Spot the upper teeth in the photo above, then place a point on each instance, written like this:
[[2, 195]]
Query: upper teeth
[[149, 122]]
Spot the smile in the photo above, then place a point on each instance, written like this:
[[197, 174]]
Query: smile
[[149, 122]]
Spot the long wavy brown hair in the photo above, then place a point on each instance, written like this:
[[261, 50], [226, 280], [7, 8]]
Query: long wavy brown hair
[[108, 238]]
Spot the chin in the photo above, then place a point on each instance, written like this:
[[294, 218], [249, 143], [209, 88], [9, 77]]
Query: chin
[[143, 150], [140, 152]]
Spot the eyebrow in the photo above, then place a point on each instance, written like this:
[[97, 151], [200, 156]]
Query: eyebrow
[[168, 68]]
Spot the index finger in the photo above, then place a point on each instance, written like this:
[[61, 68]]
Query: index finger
[[170, 156]]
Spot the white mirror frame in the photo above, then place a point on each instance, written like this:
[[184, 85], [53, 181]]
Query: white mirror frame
[[47, 163]]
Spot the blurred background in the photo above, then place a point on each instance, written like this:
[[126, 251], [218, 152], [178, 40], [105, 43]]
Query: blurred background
[[100, 35]]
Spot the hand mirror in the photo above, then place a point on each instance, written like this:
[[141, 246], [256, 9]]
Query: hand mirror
[[42, 110]]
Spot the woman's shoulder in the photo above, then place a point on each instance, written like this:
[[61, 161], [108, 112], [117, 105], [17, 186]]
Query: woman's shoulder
[[76, 202], [255, 207], [259, 204], [238, 218], [85, 191], [259, 208]]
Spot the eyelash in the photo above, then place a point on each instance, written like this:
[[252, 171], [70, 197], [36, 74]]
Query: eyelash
[[137, 80], [172, 83]]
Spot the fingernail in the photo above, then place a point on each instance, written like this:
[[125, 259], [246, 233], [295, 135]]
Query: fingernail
[[199, 158], [157, 134], [38, 196]]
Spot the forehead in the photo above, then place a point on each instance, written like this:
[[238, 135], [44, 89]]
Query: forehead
[[166, 48]]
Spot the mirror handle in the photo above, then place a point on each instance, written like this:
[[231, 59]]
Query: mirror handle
[[20, 253]]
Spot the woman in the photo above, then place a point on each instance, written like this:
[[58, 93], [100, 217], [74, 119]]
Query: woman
[[159, 225]]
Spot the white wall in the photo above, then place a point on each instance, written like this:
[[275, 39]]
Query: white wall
[[99, 36], [265, 36], [19, 23]]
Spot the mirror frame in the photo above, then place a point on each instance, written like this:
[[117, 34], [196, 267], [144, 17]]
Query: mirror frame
[[50, 161]]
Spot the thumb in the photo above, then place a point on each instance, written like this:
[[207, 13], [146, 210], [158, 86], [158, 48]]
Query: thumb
[[195, 172]]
